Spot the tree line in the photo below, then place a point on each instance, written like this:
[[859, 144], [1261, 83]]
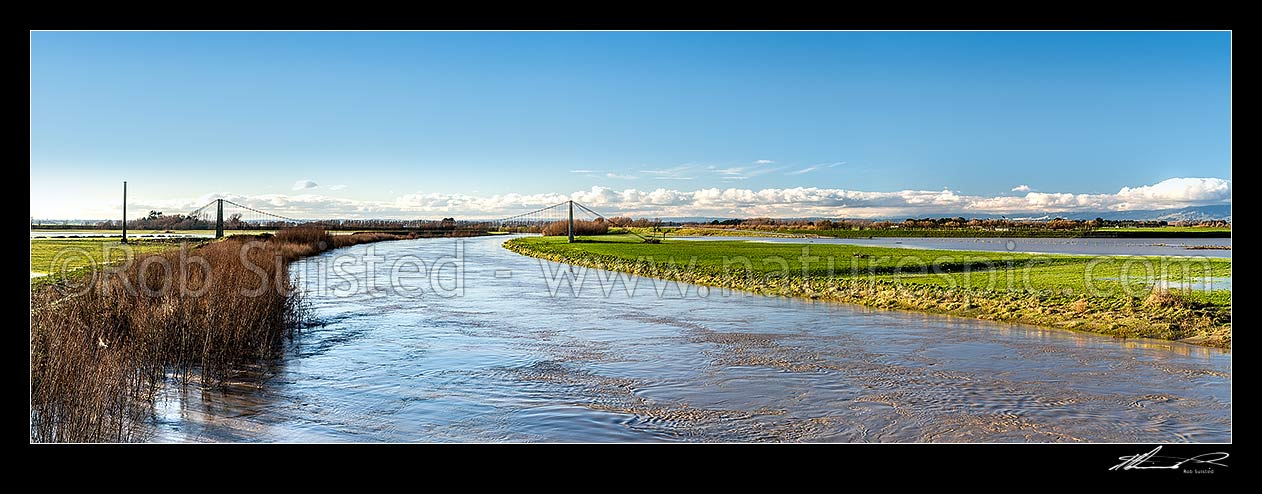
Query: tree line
[[958, 222]]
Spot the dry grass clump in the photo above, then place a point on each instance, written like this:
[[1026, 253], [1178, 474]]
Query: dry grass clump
[[1162, 297]]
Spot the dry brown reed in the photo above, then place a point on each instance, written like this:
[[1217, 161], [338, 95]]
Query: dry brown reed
[[201, 314], [581, 227]]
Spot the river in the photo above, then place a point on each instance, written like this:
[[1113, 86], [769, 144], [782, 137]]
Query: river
[[505, 360]]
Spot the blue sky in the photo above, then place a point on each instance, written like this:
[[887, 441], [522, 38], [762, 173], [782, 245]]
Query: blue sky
[[416, 124]]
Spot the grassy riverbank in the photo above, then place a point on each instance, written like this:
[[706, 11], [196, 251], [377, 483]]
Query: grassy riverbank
[[1107, 295], [103, 342]]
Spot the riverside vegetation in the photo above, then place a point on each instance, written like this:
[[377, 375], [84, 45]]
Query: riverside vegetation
[[103, 343], [1115, 296]]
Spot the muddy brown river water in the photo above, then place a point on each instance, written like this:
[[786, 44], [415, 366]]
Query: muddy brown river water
[[503, 358]]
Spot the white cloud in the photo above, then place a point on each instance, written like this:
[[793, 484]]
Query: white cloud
[[1021, 188], [731, 201], [305, 184], [740, 172], [619, 176], [337, 187], [681, 172], [1171, 193], [581, 170], [1177, 191], [809, 169]]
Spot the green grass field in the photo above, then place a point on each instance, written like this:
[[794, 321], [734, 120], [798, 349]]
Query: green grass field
[[1112, 295], [119, 233], [68, 255]]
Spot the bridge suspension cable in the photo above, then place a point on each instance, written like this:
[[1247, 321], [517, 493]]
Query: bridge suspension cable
[[564, 211], [265, 213], [532, 214], [224, 214], [221, 214]]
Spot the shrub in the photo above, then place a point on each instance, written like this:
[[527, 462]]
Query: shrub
[[581, 227]]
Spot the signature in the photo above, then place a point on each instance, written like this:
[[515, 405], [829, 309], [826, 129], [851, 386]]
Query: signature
[[1150, 461]]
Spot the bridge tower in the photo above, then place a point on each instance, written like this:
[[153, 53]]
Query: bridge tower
[[219, 220], [124, 211], [571, 222]]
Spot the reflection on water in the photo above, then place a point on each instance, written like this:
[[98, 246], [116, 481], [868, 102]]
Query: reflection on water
[[1082, 246], [507, 362], [1203, 283]]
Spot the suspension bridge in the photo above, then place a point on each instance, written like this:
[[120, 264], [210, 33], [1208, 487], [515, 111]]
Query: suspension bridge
[[568, 218], [557, 218]]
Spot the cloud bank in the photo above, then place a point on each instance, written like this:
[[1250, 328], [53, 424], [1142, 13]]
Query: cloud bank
[[736, 202]]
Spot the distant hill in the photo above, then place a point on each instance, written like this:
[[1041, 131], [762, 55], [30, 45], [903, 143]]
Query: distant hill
[[1195, 213]]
